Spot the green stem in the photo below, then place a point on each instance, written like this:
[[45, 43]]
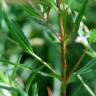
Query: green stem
[[46, 64], [76, 65], [85, 85]]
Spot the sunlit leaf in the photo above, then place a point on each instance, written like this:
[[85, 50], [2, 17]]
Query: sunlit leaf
[[12, 89], [92, 36]]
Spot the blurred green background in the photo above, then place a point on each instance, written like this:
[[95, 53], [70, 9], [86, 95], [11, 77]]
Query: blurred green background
[[45, 46]]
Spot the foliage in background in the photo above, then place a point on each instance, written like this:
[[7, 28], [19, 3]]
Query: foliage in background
[[30, 51]]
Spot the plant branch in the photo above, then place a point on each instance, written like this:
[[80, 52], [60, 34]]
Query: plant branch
[[46, 64], [77, 64], [64, 65], [63, 51], [49, 91], [85, 85]]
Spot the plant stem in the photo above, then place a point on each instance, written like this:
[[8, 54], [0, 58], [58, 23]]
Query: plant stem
[[86, 86], [64, 65], [76, 65], [63, 51], [49, 91], [46, 64]]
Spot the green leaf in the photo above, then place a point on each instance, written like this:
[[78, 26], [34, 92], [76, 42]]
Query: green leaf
[[39, 21], [29, 81], [91, 52], [34, 90], [78, 20], [86, 86], [47, 65], [75, 93], [34, 7], [15, 64], [88, 67], [17, 34], [46, 74], [80, 15], [29, 10], [14, 73], [20, 90], [32, 10], [32, 77], [50, 35], [8, 88], [49, 3], [92, 36]]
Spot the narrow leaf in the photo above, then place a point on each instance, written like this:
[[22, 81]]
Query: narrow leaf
[[20, 90], [78, 20], [48, 27], [34, 7], [17, 34], [92, 36], [23, 41], [85, 85], [8, 88], [31, 78], [14, 73], [29, 10], [35, 90], [80, 15], [88, 67], [15, 64]]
